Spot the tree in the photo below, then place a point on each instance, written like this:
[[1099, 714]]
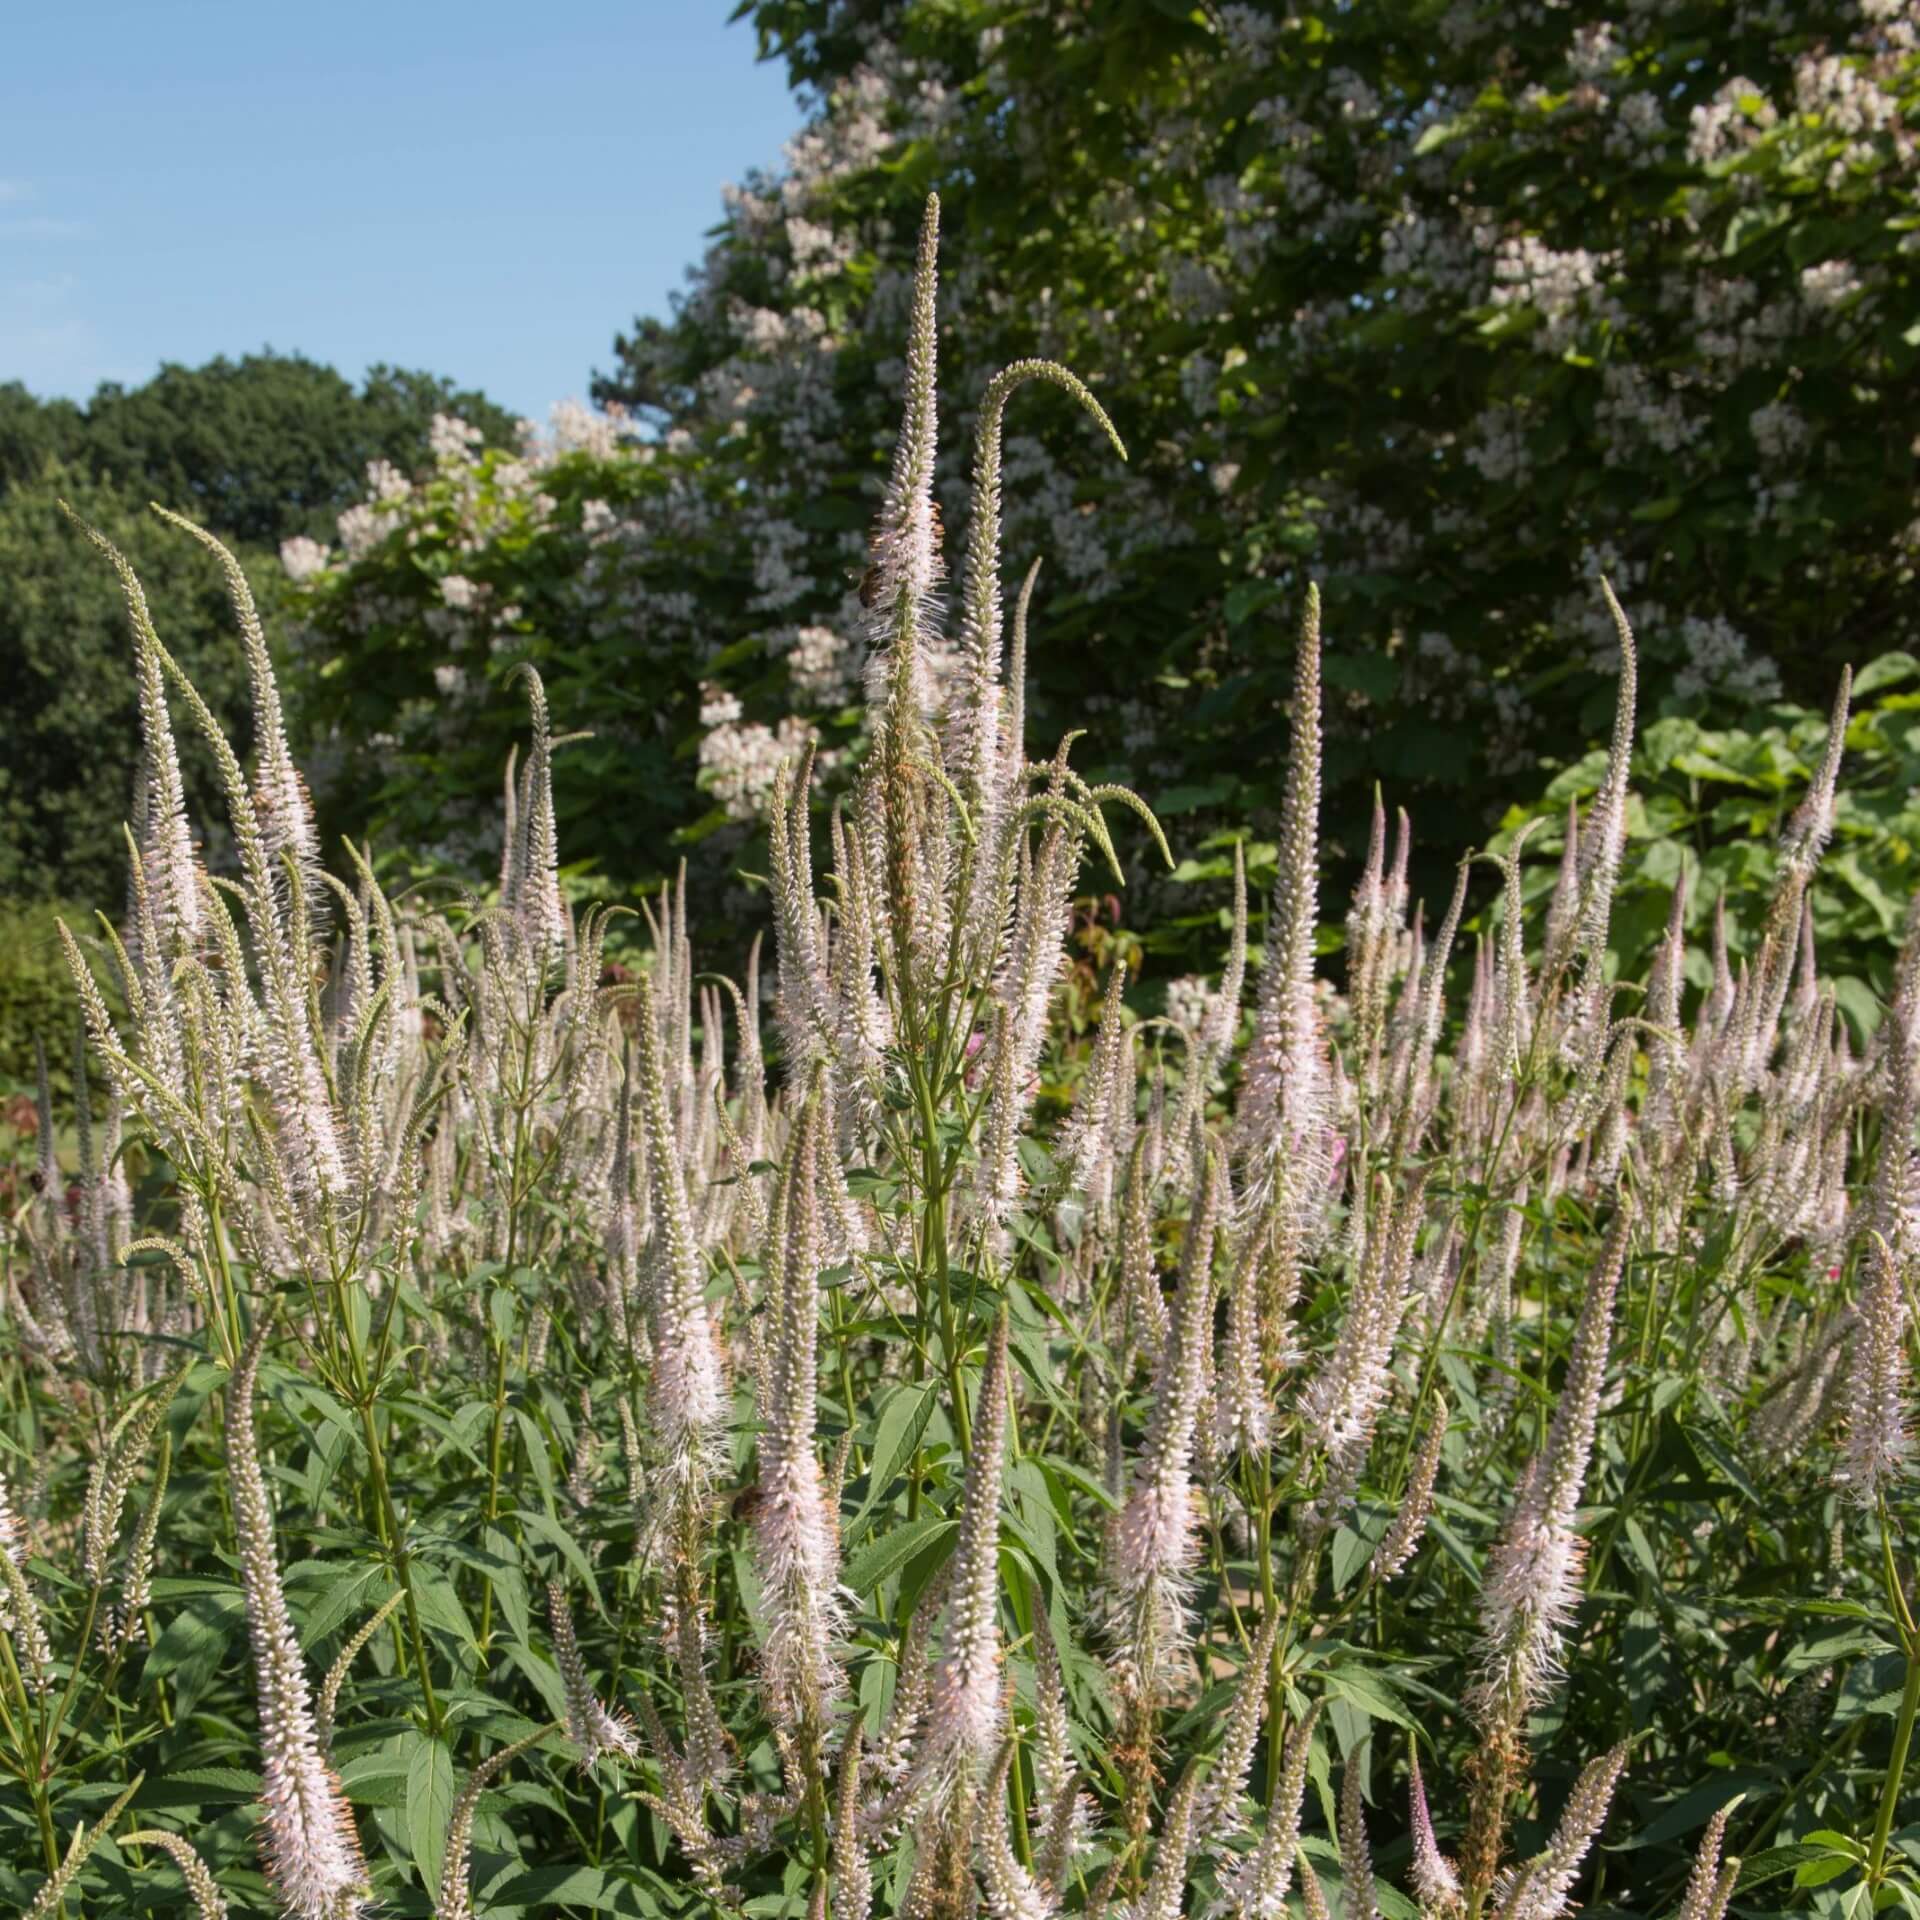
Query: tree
[[33, 432], [270, 446], [1453, 307], [264, 450], [71, 736]]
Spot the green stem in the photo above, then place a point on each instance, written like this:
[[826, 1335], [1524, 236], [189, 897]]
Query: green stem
[[1896, 1772], [395, 1543], [33, 1765], [1909, 1705]]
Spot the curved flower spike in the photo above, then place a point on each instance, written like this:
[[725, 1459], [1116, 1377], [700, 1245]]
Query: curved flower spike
[[591, 1727]]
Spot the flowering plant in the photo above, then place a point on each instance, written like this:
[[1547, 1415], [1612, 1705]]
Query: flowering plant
[[1013, 1514], [1451, 307]]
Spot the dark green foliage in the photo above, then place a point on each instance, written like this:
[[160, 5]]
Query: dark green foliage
[[37, 999], [68, 726], [259, 448], [1447, 306], [1709, 807]]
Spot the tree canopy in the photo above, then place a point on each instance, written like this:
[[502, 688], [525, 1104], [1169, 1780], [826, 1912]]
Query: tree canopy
[[263, 450], [264, 447], [1452, 307]]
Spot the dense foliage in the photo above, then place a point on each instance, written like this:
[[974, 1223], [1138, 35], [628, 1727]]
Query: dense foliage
[[1449, 306], [1311, 1450], [70, 707], [1711, 804], [264, 449]]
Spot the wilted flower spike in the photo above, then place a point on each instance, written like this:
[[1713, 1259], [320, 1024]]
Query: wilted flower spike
[[1808, 831], [1703, 1899], [1879, 1442], [1242, 1417], [852, 1871], [804, 1018], [590, 1726], [1087, 1140], [1513, 989], [311, 1158], [977, 752], [1542, 1889], [312, 1852], [23, 1623], [1312, 1895], [128, 1451], [1012, 1893], [535, 900], [1402, 1539], [1143, 1307], [456, 1885], [1220, 1814], [166, 843], [1342, 1406], [1285, 1107], [796, 1539], [1167, 1888], [1605, 838], [963, 1718], [1256, 1888], [1063, 1809], [54, 1888], [687, 1395], [1356, 1856], [343, 1660], [1435, 1879], [1532, 1582], [280, 794], [1150, 1542], [137, 1587], [906, 549], [1801, 845]]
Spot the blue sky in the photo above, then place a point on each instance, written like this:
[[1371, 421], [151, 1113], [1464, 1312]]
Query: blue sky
[[484, 190]]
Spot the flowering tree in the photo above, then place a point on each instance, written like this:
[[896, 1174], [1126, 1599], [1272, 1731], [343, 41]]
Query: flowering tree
[[1452, 307]]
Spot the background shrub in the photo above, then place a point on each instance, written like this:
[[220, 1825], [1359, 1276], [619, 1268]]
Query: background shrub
[[1450, 307]]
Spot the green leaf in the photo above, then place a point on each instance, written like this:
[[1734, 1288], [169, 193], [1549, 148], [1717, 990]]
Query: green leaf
[[1061, 1469], [896, 1434], [555, 1535], [1355, 1541], [197, 1643], [1693, 1810], [429, 1806], [1827, 1648], [339, 1599], [892, 1550], [199, 1787], [440, 1606], [1366, 1690], [1830, 1866], [1857, 1902], [1774, 1861], [537, 1456], [1889, 670], [1245, 598], [509, 1584], [547, 1889], [1837, 1841]]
